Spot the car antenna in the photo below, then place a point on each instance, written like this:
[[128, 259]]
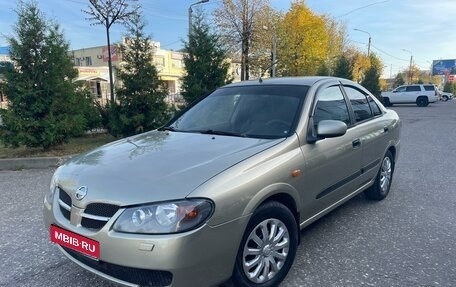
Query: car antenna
[[264, 71]]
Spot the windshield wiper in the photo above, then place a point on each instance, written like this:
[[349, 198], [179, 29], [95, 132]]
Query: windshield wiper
[[169, 128], [223, 133]]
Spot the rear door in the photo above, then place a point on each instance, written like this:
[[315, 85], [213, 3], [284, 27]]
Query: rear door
[[373, 131]]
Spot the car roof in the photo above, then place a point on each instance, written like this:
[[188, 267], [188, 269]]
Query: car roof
[[304, 81]]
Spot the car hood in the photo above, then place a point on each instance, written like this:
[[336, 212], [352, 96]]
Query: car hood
[[155, 166]]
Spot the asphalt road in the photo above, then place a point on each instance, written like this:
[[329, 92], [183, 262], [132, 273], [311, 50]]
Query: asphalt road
[[406, 240]]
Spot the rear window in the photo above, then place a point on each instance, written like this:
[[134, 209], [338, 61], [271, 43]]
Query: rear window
[[429, 87]]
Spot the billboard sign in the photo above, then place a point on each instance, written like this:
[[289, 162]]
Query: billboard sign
[[443, 67], [114, 54]]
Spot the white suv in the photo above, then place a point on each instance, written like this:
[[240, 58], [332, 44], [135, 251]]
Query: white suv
[[419, 94]]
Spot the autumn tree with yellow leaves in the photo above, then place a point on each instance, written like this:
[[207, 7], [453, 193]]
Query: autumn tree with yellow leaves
[[303, 41]]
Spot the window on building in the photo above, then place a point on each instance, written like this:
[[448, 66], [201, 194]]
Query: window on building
[[78, 61], [88, 61]]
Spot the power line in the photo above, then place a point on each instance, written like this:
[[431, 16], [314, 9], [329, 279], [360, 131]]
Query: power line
[[362, 7], [388, 54]]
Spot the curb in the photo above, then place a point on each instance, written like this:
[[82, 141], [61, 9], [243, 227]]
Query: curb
[[31, 162]]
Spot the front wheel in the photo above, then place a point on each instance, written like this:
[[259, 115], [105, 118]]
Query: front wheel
[[268, 247], [380, 189], [445, 98]]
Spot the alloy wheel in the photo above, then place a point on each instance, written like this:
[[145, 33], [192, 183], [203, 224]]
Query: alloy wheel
[[385, 174]]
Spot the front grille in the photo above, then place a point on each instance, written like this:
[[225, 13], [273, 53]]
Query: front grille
[[65, 197], [94, 216], [92, 223], [97, 214], [101, 209], [66, 206], [142, 277]]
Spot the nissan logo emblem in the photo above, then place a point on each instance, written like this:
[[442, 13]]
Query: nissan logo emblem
[[81, 192]]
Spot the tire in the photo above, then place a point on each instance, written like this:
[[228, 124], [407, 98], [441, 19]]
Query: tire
[[422, 102], [381, 187], [445, 98], [270, 259], [386, 102]]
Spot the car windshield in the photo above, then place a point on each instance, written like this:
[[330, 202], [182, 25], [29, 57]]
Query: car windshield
[[247, 111]]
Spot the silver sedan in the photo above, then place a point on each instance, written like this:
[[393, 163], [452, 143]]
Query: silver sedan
[[221, 192]]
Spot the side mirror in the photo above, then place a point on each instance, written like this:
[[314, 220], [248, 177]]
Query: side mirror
[[331, 129]]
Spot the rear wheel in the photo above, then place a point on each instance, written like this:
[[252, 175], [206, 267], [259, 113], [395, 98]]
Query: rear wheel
[[268, 247], [380, 189], [422, 102]]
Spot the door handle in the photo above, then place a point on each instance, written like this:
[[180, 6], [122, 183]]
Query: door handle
[[356, 143], [385, 129]]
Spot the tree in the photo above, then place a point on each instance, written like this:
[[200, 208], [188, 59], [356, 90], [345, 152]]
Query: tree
[[343, 68], [106, 13], [371, 79], [399, 80], [205, 62], [303, 41], [237, 22], [141, 105], [44, 108]]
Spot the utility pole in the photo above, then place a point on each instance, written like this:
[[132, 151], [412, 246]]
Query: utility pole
[[370, 40], [411, 60], [190, 11]]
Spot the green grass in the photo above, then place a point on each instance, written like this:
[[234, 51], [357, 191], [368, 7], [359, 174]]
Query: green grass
[[74, 146]]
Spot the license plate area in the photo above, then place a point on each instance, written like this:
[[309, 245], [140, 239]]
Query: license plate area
[[76, 242]]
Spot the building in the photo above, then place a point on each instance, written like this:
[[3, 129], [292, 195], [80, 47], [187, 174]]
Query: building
[[5, 63], [92, 64]]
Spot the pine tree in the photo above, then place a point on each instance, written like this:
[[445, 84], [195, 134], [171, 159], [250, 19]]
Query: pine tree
[[343, 68], [398, 81], [44, 108], [371, 82], [142, 105], [205, 62]]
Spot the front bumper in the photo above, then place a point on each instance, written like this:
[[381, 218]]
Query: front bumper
[[201, 257]]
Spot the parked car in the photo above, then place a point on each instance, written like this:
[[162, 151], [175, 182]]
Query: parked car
[[445, 96], [223, 189], [420, 94]]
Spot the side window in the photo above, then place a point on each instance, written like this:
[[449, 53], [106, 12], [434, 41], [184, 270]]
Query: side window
[[429, 87], [359, 104], [400, 89], [331, 105], [374, 107], [413, 89]]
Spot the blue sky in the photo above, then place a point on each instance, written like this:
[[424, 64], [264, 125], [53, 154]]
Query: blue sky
[[426, 28]]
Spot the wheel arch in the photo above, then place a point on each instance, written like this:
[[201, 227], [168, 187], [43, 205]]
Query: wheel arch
[[282, 193]]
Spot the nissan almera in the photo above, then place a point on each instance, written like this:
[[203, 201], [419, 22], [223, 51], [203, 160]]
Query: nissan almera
[[221, 192]]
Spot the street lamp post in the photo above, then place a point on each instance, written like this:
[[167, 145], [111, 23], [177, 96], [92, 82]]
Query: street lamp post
[[369, 44], [190, 11], [410, 69]]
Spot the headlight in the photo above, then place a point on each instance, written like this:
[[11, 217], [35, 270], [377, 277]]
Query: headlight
[[164, 217]]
